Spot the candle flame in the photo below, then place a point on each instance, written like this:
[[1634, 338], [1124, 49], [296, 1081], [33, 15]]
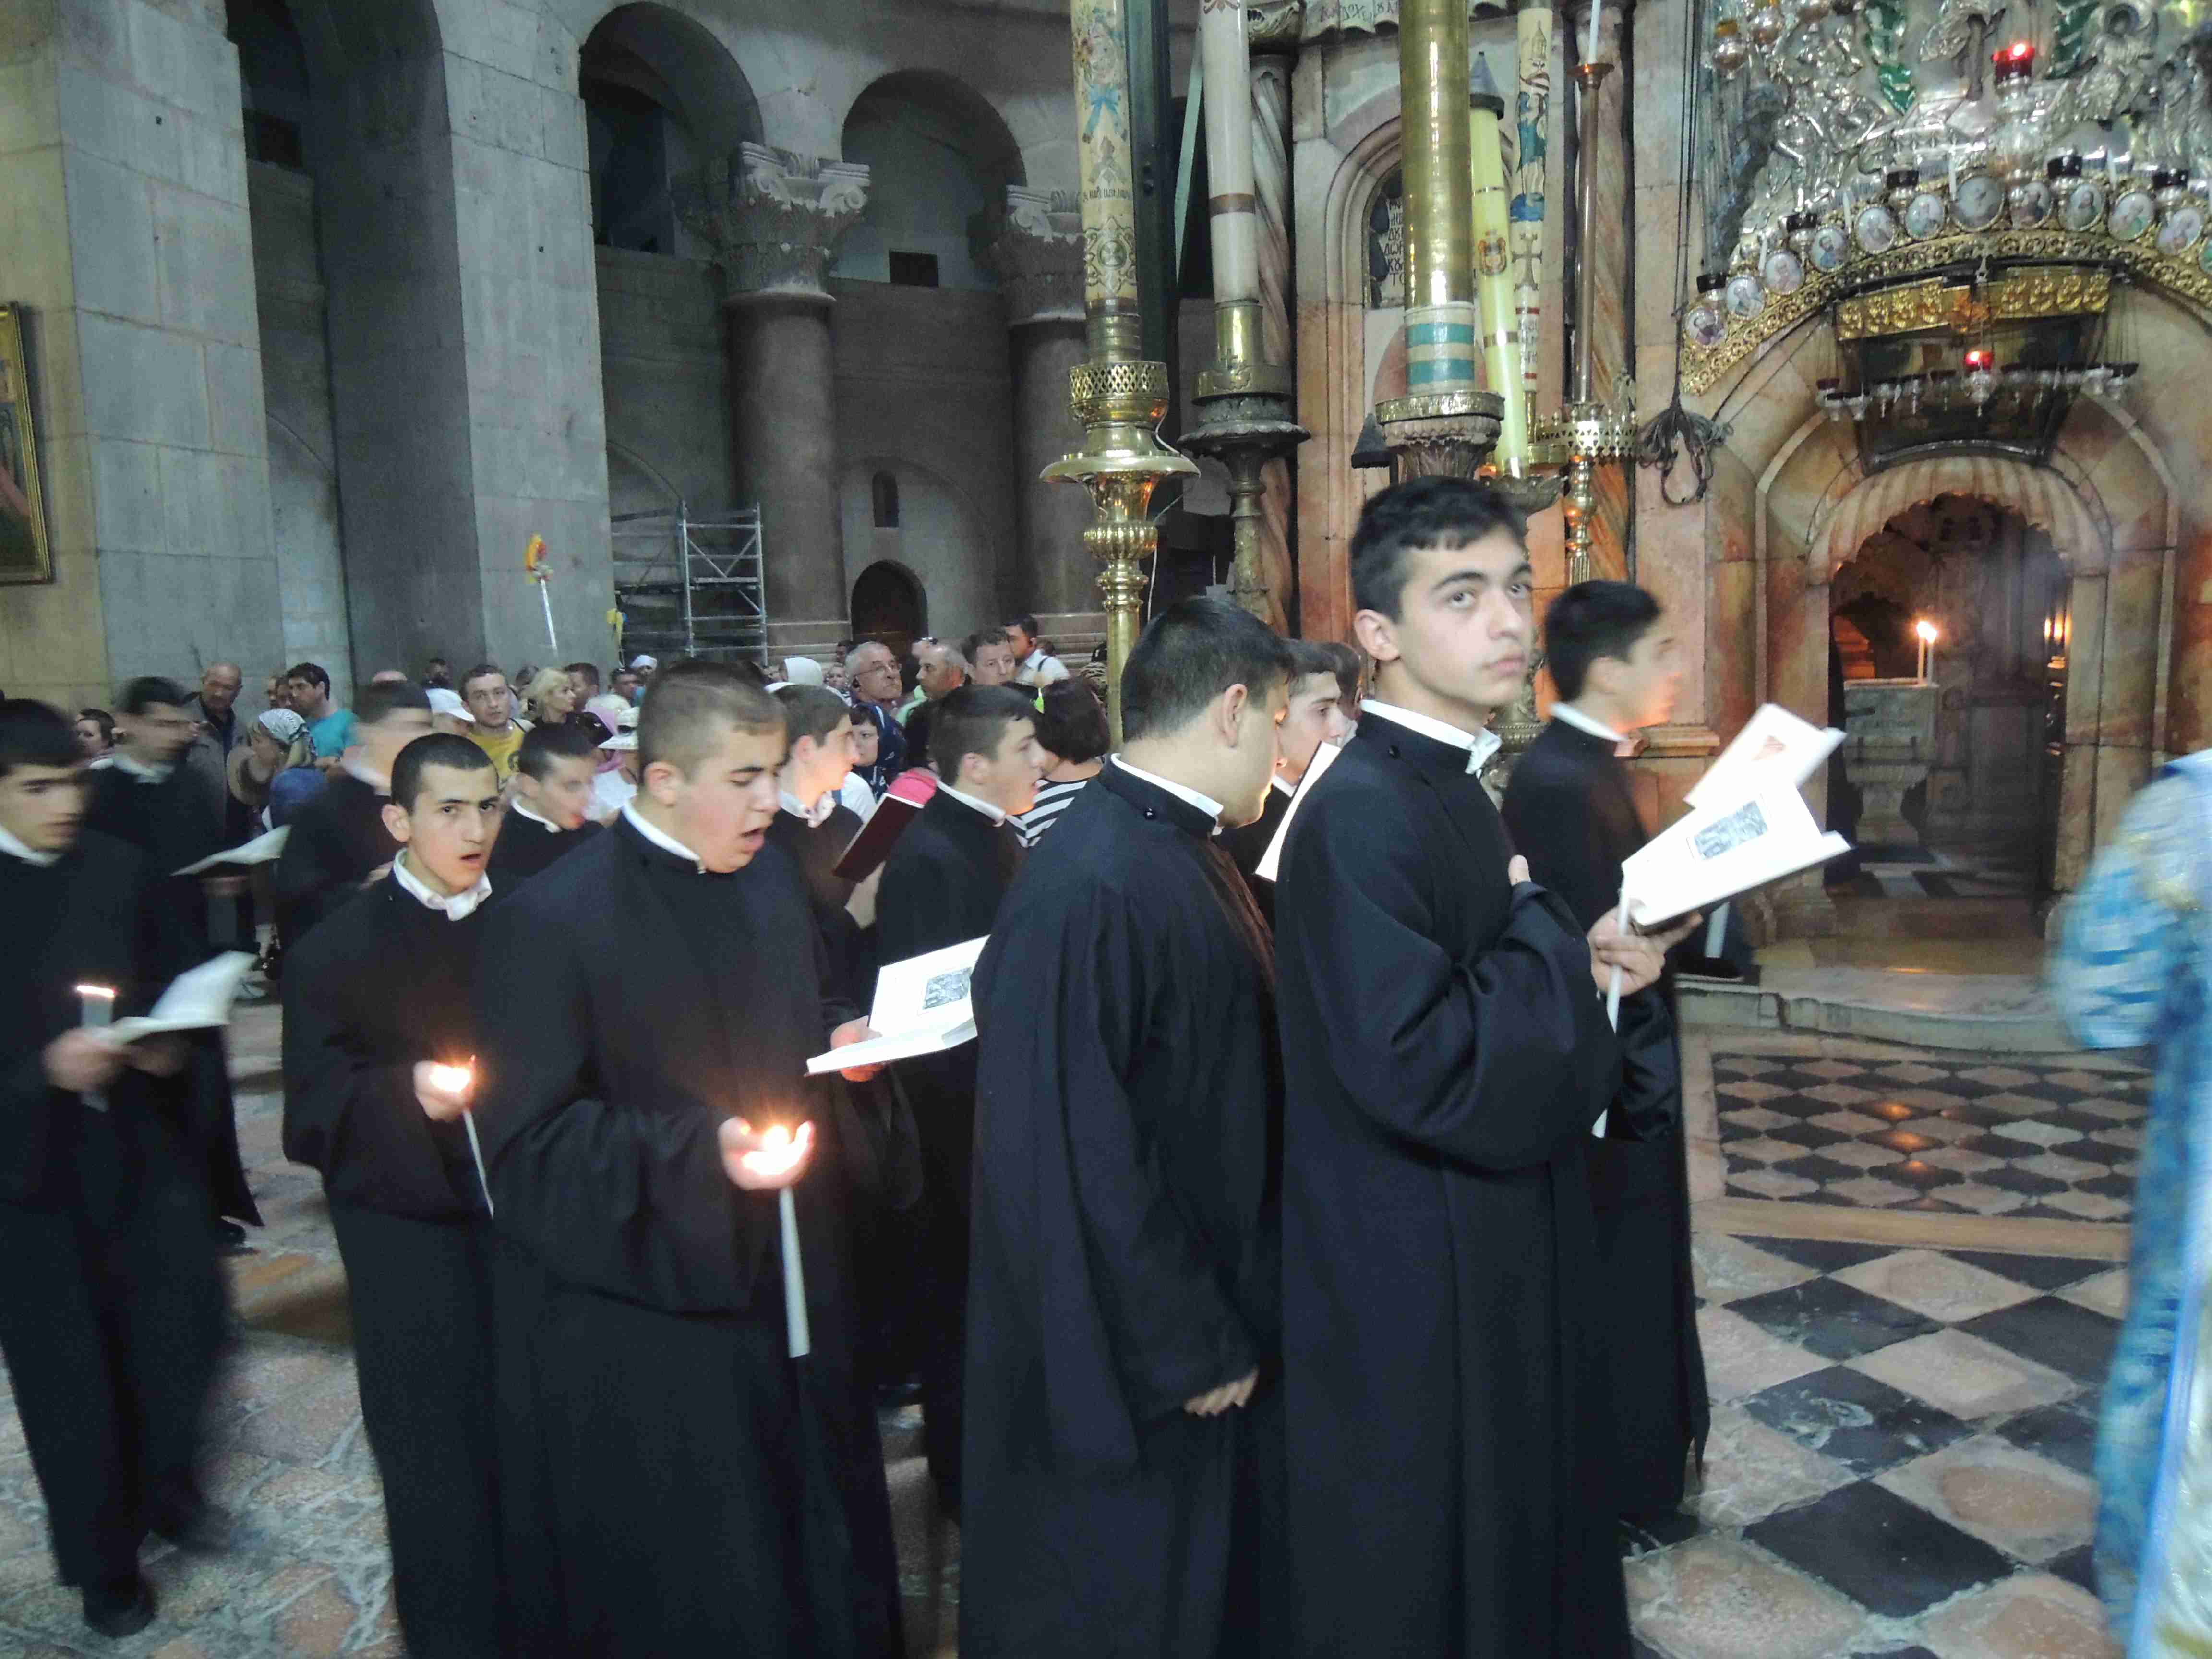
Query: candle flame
[[1928, 632], [781, 1148], [451, 1078], [107, 990]]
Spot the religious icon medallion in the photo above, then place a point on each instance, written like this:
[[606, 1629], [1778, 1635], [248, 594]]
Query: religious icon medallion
[[1831, 246], [1923, 215], [1783, 272], [1876, 227], [2132, 215]]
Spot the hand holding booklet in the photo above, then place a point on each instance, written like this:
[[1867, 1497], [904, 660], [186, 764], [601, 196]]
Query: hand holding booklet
[[197, 1000], [922, 1007], [264, 848]]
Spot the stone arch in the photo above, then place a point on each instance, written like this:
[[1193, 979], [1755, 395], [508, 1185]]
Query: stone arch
[[890, 603], [2072, 516], [940, 540], [940, 159], [663, 98]]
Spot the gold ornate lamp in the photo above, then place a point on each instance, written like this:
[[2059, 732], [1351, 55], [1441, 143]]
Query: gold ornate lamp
[[1118, 396]]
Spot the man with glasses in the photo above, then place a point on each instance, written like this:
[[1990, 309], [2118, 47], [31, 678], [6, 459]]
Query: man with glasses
[[875, 677]]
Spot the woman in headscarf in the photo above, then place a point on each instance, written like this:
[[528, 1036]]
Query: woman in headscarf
[[276, 742]]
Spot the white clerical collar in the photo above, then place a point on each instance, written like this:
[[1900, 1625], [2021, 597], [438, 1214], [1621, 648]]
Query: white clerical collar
[[16, 849], [1479, 745], [522, 809], [455, 905], [970, 801], [1205, 804], [1567, 714], [377, 781], [813, 815], [140, 770], [1284, 784], [660, 837]]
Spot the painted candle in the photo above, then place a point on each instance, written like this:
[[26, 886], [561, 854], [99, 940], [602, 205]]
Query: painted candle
[[1105, 188], [1493, 278]]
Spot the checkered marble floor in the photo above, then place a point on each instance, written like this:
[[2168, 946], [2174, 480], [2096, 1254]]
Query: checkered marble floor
[[1944, 1132], [1900, 1460]]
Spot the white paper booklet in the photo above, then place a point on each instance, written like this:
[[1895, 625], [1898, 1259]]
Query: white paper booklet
[[1720, 851], [922, 1006], [1775, 747], [262, 849], [1272, 859], [195, 1000]]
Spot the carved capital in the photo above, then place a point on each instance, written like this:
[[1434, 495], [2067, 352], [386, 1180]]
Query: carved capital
[[1038, 255], [773, 218], [1275, 25]]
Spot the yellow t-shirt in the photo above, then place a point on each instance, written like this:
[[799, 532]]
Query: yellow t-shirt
[[504, 750]]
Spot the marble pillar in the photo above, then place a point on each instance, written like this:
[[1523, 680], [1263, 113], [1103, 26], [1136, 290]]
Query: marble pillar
[[773, 218], [1039, 259], [1270, 184]]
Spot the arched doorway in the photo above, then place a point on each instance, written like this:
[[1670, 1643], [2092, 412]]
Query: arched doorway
[[1978, 825], [889, 605], [939, 160]]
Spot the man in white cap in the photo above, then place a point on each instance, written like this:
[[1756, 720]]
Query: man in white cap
[[801, 671], [448, 713], [612, 791]]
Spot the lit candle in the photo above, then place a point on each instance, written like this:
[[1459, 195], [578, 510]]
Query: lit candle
[[778, 1151], [95, 1005], [457, 1079], [1929, 635]]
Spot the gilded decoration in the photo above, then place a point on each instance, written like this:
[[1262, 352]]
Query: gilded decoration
[[2021, 295], [2183, 278]]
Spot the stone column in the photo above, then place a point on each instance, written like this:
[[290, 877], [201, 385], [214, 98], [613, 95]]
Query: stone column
[[1039, 259], [774, 219]]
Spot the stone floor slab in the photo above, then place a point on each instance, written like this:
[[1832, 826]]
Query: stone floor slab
[[1719, 1599], [2033, 1616], [1935, 1284], [1965, 1376], [2028, 1506]]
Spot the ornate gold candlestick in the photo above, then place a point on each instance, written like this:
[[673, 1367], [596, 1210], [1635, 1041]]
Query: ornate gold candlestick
[[1118, 395]]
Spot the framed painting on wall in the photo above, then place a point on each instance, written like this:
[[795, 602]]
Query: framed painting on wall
[[25, 555]]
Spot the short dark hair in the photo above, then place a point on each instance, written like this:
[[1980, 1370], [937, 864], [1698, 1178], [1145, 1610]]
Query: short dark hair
[[1193, 651], [33, 734], [542, 746], [1592, 620], [919, 720], [1431, 511], [102, 718], [973, 721], [312, 672], [1309, 657], [437, 749], [1351, 670], [982, 637], [1027, 625], [811, 711], [690, 699], [375, 702], [1071, 724], [143, 693], [481, 671], [586, 670]]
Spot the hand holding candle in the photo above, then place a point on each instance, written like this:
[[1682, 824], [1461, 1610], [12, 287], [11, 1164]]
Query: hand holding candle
[[84, 1061], [764, 1161], [444, 1090]]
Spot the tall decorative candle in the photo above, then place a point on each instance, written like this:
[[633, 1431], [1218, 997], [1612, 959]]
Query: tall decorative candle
[[1440, 314], [1493, 278], [1532, 114], [1105, 189], [1233, 210]]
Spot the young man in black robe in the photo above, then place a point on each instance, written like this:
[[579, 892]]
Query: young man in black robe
[[111, 1306], [943, 885], [1571, 809], [549, 815], [149, 796], [378, 1038], [1445, 1041], [1124, 1456], [339, 839], [704, 1493], [1315, 716], [813, 828]]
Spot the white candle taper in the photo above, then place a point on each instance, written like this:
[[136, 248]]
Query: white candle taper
[[95, 1005], [545, 593], [1613, 1001], [1590, 54], [800, 1340]]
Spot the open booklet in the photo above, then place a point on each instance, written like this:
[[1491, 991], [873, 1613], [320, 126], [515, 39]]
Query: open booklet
[[264, 848], [921, 1007], [1775, 747], [1720, 850], [1272, 860], [197, 1000]]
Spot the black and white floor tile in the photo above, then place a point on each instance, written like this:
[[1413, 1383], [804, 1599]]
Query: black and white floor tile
[[1939, 1131]]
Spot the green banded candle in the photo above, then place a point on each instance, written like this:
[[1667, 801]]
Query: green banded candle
[[1494, 282], [1440, 314]]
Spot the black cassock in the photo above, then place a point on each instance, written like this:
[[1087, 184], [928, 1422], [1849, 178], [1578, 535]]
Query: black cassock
[[1570, 810], [112, 1309], [173, 825], [337, 839], [1248, 845], [526, 847], [1126, 1251], [814, 848], [1447, 1053], [702, 1491], [942, 885], [382, 983]]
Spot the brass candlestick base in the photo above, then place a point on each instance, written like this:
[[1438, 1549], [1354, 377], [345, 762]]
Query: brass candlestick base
[[1245, 431], [1449, 434], [1119, 402], [1579, 437]]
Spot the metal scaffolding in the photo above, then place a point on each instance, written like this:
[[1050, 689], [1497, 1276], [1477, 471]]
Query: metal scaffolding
[[691, 587]]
